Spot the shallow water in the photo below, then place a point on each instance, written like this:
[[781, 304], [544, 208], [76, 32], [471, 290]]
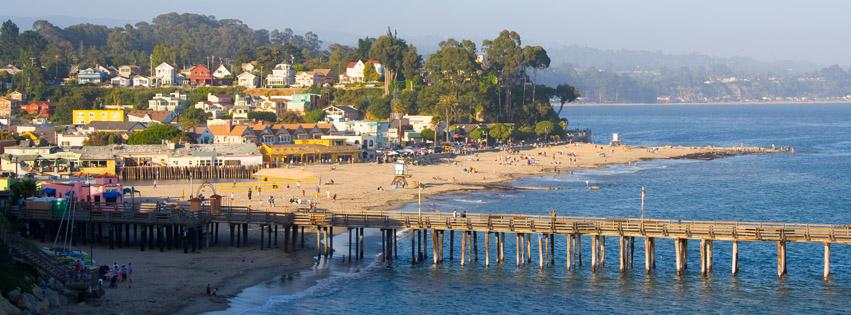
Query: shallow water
[[811, 186]]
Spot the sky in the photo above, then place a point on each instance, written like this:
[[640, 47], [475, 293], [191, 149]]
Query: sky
[[813, 30]]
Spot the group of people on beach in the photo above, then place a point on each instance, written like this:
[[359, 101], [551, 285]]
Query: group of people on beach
[[115, 274]]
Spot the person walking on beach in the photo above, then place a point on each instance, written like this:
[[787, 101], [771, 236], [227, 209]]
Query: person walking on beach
[[155, 184], [249, 194], [272, 201]]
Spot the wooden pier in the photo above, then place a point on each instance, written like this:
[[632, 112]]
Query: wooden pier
[[198, 229], [187, 172]]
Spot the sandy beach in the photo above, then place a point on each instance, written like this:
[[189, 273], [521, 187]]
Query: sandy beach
[[174, 282]]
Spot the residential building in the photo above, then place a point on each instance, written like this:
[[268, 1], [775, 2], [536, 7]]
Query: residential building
[[92, 189], [232, 134], [91, 76], [272, 105], [165, 75], [239, 112], [355, 71], [121, 82], [39, 109], [341, 113], [248, 80], [200, 75], [151, 116], [85, 116], [7, 105], [216, 104], [10, 69], [282, 75], [377, 129], [249, 67], [303, 102], [174, 101], [141, 81], [128, 71], [70, 139], [315, 77], [200, 134], [222, 73]]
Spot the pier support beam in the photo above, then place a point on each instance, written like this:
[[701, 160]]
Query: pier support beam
[[826, 260], [680, 253], [569, 238], [781, 259], [622, 254], [487, 248], [735, 257], [540, 253]]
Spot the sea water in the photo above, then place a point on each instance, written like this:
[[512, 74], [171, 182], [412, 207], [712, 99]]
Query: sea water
[[813, 185]]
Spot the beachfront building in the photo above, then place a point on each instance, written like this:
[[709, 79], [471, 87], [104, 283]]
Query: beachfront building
[[171, 102], [85, 116], [282, 75], [179, 155], [105, 189], [165, 75], [303, 102], [310, 151]]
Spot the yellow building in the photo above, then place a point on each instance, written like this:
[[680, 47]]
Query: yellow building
[[310, 151], [6, 183], [98, 167], [85, 116]]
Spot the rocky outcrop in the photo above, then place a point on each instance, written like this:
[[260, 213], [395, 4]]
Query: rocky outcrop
[[7, 307], [48, 295]]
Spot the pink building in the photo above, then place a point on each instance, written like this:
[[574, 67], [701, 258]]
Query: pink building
[[97, 190]]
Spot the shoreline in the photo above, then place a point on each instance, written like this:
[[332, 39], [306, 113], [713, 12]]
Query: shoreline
[[354, 184]]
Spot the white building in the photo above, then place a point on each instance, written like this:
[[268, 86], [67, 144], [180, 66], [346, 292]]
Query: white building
[[222, 72], [355, 71], [282, 75], [121, 82], [174, 101], [141, 81], [165, 75], [247, 80]]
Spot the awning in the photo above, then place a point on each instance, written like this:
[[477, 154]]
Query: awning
[[111, 194], [49, 191]]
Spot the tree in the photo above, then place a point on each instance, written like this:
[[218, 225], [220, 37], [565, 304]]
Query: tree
[[369, 73], [264, 116], [535, 57], [411, 64], [315, 115], [192, 117], [452, 71], [389, 50], [23, 189], [479, 134], [155, 134], [364, 46], [428, 134], [544, 128], [290, 117], [501, 132], [505, 56], [379, 108], [565, 94], [103, 138], [163, 54]]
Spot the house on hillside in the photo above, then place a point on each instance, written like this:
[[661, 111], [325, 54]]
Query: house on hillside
[[39, 109], [222, 76], [91, 76], [355, 71], [303, 102], [121, 82], [228, 133], [200, 134], [175, 101], [128, 71], [248, 80], [200, 75], [282, 75], [315, 77], [7, 104], [249, 67], [165, 75], [141, 81], [340, 113], [123, 127]]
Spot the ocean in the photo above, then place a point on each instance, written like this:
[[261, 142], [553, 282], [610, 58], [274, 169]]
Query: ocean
[[813, 185]]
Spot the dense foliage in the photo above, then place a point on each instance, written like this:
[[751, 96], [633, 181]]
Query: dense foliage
[[155, 134]]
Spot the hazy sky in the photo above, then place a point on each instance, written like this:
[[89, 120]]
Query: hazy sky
[[812, 30]]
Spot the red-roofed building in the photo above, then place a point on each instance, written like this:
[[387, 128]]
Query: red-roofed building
[[200, 75], [40, 109]]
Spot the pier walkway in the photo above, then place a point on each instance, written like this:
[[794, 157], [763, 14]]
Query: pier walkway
[[181, 227]]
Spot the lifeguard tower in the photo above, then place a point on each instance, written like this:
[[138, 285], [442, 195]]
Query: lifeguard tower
[[401, 172], [616, 139]]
